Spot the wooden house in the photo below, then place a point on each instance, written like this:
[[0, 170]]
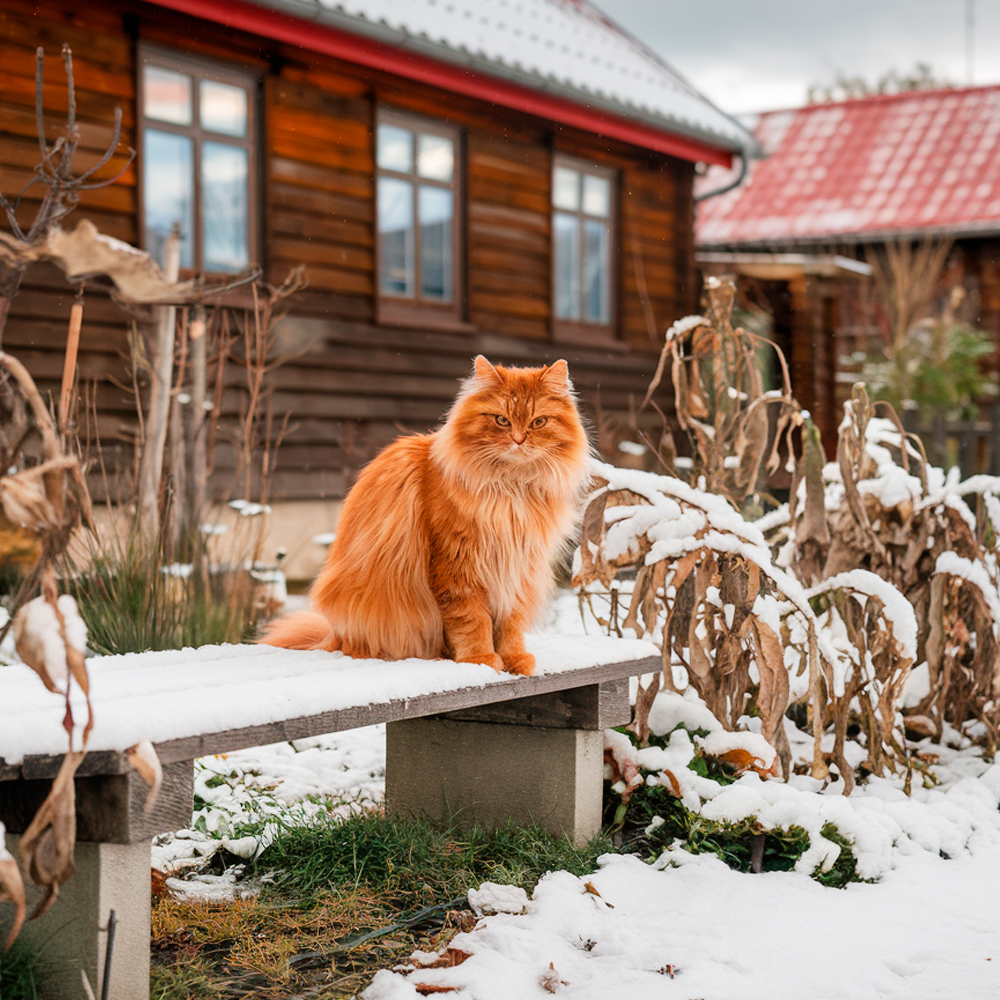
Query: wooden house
[[840, 178], [511, 178]]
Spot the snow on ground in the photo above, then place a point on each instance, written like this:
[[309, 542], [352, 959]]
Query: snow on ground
[[928, 931], [687, 927]]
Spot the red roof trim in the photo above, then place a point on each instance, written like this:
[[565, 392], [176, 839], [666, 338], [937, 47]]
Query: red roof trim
[[377, 55]]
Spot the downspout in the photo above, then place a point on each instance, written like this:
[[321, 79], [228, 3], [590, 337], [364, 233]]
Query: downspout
[[740, 177]]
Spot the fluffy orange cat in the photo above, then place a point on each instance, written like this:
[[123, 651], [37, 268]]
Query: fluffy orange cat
[[445, 544]]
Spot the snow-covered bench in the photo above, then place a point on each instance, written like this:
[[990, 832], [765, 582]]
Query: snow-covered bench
[[462, 741]]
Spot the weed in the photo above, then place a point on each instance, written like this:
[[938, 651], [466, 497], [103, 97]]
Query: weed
[[132, 599], [20, 972], [412, 863], [653, 819], [328, 880]]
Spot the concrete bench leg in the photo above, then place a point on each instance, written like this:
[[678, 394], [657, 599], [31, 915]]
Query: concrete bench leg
[[112, 873], [535, 760], [72, 936]]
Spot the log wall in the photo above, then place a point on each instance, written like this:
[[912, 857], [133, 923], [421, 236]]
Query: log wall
[[353, 384]]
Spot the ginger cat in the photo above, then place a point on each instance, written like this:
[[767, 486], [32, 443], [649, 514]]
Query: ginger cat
[[445, 544]]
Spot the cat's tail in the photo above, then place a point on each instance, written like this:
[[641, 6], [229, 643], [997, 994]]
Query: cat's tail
[[300, 630]]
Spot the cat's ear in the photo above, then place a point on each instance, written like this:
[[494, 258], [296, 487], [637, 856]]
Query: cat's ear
[[484, 372], [556, 376]]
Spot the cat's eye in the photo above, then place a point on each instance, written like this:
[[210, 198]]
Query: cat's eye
[[539, 422], [502, 421]]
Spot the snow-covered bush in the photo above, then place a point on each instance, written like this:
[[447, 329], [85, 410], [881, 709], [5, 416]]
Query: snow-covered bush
[[876, 568]]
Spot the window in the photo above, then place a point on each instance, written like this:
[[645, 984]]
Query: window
[[197, 141], [581, 240], [418, 233]]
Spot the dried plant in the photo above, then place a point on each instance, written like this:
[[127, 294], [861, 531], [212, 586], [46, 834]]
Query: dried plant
[[888, 511], [706, 590], [720, 400], [798, 606]]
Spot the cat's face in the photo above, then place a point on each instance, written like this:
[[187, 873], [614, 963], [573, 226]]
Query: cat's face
[[519, 415]]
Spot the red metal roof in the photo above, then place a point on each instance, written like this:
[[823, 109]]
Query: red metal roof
[[918, 162]]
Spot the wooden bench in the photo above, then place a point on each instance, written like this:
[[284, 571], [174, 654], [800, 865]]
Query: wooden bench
[[462, 741]]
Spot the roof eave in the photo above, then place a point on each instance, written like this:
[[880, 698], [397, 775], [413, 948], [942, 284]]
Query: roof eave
[[318, 28], [985, 228]]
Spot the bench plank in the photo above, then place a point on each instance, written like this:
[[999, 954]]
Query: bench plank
[[173, 698]]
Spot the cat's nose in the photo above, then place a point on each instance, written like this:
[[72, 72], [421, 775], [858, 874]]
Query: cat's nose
[[519, 440]]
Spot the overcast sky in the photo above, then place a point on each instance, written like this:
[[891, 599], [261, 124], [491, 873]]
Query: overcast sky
[[758, 55]]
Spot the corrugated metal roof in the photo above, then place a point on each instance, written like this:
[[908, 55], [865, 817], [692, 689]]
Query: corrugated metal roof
[[564, 47], [913, 163]]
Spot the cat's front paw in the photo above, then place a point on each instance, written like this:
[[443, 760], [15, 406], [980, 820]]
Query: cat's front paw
[[490, 659], [519, 663]]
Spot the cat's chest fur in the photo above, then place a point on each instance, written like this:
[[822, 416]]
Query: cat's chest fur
[[502, 541]]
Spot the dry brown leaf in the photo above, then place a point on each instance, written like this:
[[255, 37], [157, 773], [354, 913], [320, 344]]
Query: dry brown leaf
[[549, 980], [47, 844], [143, 758], [591, 889], [772, 693], [742, 760], [11, 891], [448, 959], [86, 252], [426, 989], [675, 785], [38, 638]]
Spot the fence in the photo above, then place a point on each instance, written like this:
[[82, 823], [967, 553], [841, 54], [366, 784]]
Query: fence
[[973, 446]]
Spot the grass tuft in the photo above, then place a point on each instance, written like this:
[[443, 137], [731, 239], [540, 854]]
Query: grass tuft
[[411, 863], [21, 972], [325, 884]]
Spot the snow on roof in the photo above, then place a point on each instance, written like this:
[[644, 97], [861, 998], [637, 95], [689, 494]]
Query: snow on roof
[[911, 163], [566, 47]]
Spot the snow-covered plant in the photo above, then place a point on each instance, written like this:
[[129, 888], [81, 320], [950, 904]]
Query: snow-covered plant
[[884, 509], [720, 400]]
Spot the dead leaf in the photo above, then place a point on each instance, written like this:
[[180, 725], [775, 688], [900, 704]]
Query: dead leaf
[[772, 693], [549, 980], [589, 887], [47, 844], [11, 891], [450, 958], [742, 761], [143, 758]]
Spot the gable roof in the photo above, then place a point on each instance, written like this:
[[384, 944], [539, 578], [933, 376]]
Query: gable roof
[[923, 162], [566, 50]]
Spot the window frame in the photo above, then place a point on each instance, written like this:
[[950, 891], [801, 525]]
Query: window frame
[[202, 68], [402, 310], [583, 331]]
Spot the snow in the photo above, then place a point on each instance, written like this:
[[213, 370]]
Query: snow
[[491, 898], [701, 930], [554, 45], [897, 608], [167, 695], [975, 573], [36, 634]]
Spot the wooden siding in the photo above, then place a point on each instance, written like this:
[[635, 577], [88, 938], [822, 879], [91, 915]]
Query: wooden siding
[[357, 384]]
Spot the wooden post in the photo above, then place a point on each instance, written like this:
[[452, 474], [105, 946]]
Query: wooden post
[[993, 464], [155, 429], [69, 363]]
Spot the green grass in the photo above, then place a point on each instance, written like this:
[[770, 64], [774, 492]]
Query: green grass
[[129, 605], [412, 864], [328, 884], [20, 971]]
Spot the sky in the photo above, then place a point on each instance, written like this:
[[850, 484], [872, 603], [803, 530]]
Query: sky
[[760, 55]]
